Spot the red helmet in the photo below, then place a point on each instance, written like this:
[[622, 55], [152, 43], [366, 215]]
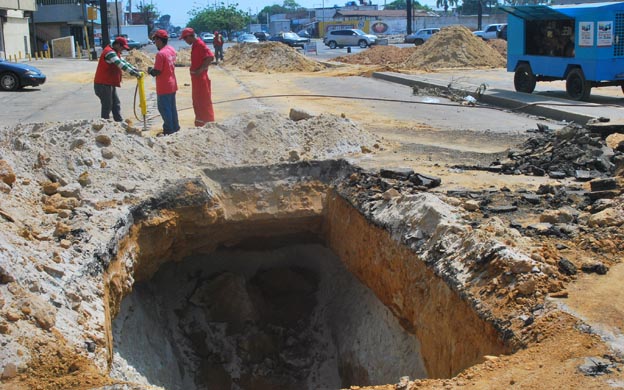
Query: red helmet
[[187, 32], [161, 34]]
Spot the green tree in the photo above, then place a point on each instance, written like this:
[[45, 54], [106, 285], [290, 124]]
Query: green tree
[[291, 5], [149, 13], [402, 4], [446, 4], [224, 18]]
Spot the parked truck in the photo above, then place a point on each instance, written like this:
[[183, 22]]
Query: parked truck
[[136, 32], [582, 44]]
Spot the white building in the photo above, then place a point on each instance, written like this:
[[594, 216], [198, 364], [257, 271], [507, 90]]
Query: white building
[[14, 26]]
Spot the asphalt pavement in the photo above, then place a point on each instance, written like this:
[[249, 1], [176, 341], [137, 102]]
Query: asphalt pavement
[[549, 99]]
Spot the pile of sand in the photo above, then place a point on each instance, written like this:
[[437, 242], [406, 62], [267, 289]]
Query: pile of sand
[[454, 47], [270, 57], [379, 55], [140, 60], [183, 57], [499, 45]]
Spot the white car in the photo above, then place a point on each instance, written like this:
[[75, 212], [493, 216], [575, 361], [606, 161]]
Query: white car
[[421, 36], [490, 31]]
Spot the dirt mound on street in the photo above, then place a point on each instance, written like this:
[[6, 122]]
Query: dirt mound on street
[[379, 55], [454, 47], [183, 57], [500, 45], [270, 57], [139, 60]]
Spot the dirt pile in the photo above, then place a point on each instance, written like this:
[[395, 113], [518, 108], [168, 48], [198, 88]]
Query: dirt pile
[[379, 55], [270, 57], [454, 47], [500, 45], [183, 57], [140, 60]]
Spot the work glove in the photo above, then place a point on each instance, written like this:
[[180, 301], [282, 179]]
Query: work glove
[[135, 73], [150, 71]]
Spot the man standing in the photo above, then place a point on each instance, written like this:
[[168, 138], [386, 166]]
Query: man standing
[[108, 77], [201, 57], [166, 84], [218, 46]]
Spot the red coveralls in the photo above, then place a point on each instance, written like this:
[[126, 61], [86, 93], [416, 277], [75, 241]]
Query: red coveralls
[[200, 83]]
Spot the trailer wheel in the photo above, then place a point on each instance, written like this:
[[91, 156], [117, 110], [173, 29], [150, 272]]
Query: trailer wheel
[[576, 86], [524, 79]]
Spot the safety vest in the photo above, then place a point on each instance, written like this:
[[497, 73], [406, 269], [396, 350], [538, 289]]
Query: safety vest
[[107, 74]]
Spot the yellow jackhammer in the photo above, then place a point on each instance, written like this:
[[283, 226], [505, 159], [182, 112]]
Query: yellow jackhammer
[[142, 100]]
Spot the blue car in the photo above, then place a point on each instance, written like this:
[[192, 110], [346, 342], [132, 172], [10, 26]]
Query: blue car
[[14, 76]]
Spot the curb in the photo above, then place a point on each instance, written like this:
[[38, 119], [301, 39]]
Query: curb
[[514, 101]]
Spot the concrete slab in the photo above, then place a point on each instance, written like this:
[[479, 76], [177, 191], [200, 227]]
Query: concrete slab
[[500, 92]]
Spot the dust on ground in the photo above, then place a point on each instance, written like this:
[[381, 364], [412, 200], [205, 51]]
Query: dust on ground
[[270, 57]]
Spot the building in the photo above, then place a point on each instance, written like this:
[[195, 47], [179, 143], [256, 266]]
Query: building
[[14, 26], [375, 21], [60, 18]]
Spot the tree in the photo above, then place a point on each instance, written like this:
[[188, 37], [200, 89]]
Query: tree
[[149, 13], [446, 3], [291, 5], [223, 19], [402, 4]]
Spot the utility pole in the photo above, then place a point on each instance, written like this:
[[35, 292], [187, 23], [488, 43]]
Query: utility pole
[[117, 16], [410, 14], [104, 20], [130, 12]]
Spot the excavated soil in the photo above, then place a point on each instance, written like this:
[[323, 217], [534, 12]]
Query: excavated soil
[[270, 57], [454, 47], [379, 55], [140, 60], [183, 57], [500, 45]]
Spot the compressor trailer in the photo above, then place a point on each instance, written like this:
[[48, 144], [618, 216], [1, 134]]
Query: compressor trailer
[[582, 44]]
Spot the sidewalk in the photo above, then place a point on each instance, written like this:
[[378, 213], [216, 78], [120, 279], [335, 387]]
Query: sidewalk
[[548, 100]]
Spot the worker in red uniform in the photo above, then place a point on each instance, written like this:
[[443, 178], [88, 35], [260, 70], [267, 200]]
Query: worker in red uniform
[[217, 42], [166, 84], [108, 77], [201, 57]]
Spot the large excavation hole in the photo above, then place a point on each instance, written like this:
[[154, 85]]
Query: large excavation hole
[[288, 317]]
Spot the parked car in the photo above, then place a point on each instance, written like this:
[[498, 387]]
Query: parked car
[[304, 34], [490, 31], [502, 33], [290, 38], [349, 37], [262, 36], [132, 44], [247, 38], [207, 37], [421, 36], [15, 76], [173, 35]]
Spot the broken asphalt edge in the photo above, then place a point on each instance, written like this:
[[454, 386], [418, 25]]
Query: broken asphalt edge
[[514, 101]]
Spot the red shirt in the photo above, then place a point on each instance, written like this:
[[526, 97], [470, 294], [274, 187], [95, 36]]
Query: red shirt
[[107, 74], [165, 62], [199, 51]]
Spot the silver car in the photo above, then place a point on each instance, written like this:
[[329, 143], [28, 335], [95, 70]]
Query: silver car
[[421, 36], [349, 37]]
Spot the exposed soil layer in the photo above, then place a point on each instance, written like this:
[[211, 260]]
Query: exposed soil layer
[[379, 55]]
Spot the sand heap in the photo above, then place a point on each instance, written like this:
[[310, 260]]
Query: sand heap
[[270, 57], [140, 60], [500, 45], [380, 55], [454, 47], [183, 57]]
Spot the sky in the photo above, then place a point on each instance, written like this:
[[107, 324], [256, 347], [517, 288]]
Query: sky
[[179, 9]]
